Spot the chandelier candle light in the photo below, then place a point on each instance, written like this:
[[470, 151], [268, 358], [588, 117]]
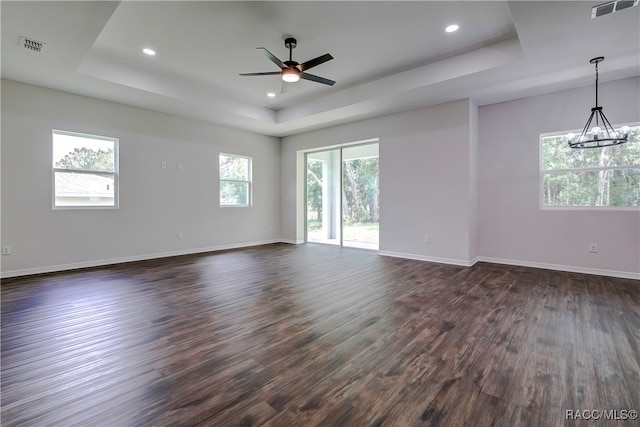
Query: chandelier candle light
[[602, 134]]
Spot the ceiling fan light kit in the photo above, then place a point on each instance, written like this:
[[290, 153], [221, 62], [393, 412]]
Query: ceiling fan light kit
[[602, 134], [291, 75], [291, 71]]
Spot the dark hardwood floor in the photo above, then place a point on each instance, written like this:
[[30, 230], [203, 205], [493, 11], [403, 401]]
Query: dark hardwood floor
[[313, 335]]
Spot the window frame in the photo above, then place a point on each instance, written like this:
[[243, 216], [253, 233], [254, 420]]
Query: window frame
[[115, 173], [542, 172], [249, 181]]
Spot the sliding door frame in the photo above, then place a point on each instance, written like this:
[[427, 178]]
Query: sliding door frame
[[306, 190], [338, 147]]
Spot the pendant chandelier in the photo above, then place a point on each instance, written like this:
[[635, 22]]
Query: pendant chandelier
[[602, 134]]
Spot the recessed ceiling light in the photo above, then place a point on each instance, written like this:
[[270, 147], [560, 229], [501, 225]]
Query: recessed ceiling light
[[148, 51], [451, 28], [271, 94]]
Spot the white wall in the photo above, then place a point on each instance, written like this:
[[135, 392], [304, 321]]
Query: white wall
[[474, 193], [473, 182], [155, 203], [425, 185], [513, 228]]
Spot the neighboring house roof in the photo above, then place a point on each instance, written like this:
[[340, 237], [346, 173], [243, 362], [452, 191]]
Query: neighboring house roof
[[83, 185]]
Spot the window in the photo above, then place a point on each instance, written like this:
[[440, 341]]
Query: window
[[235, 180], [85, 170], [606, 177]]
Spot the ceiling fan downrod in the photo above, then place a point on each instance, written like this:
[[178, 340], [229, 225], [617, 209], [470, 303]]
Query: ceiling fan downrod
[[290, 43]]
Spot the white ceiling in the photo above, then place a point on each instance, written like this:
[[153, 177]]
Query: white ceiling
[[388, 56]]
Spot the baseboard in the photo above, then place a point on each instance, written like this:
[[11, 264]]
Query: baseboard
[[520, 263], [453, 261], [291, 241], [560, 267], [98, 263]]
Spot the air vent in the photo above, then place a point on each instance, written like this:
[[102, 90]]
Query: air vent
[[31, 44], [612, 6]]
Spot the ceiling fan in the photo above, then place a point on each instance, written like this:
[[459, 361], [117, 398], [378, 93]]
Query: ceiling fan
[[290, 70]]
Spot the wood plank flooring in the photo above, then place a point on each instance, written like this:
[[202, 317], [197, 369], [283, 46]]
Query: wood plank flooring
[[312, 335]]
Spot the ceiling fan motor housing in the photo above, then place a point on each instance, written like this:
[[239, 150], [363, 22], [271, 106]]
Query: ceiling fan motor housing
[[290, 43]]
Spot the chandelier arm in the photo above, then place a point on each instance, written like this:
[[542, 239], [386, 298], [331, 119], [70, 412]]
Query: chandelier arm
[[607, 126], [585, 130]]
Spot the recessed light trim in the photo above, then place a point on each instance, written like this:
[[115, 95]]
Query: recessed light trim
[[452, 28], [148, 51]]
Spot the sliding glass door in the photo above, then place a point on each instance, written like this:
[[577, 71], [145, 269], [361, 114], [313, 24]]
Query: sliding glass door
[[360, 210], [342, 196], [323, 197]]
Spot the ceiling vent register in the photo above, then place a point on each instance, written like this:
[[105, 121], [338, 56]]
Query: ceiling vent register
[[612, 6], [31, 44]]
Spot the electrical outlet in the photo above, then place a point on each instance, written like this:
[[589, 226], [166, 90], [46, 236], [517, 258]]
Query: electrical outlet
[[427, 240], [6, 250], [593, 248], [163, 165], [180, 236], [179, 166]]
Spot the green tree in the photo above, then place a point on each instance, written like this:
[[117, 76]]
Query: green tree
[[314, 188], [573, 184], [86, 158], [234, 179], [360, 190]]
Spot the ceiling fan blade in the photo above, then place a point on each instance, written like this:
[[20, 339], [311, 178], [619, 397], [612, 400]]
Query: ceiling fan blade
[[268, 73], [316, 61], [318, 79], [273, 58]]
